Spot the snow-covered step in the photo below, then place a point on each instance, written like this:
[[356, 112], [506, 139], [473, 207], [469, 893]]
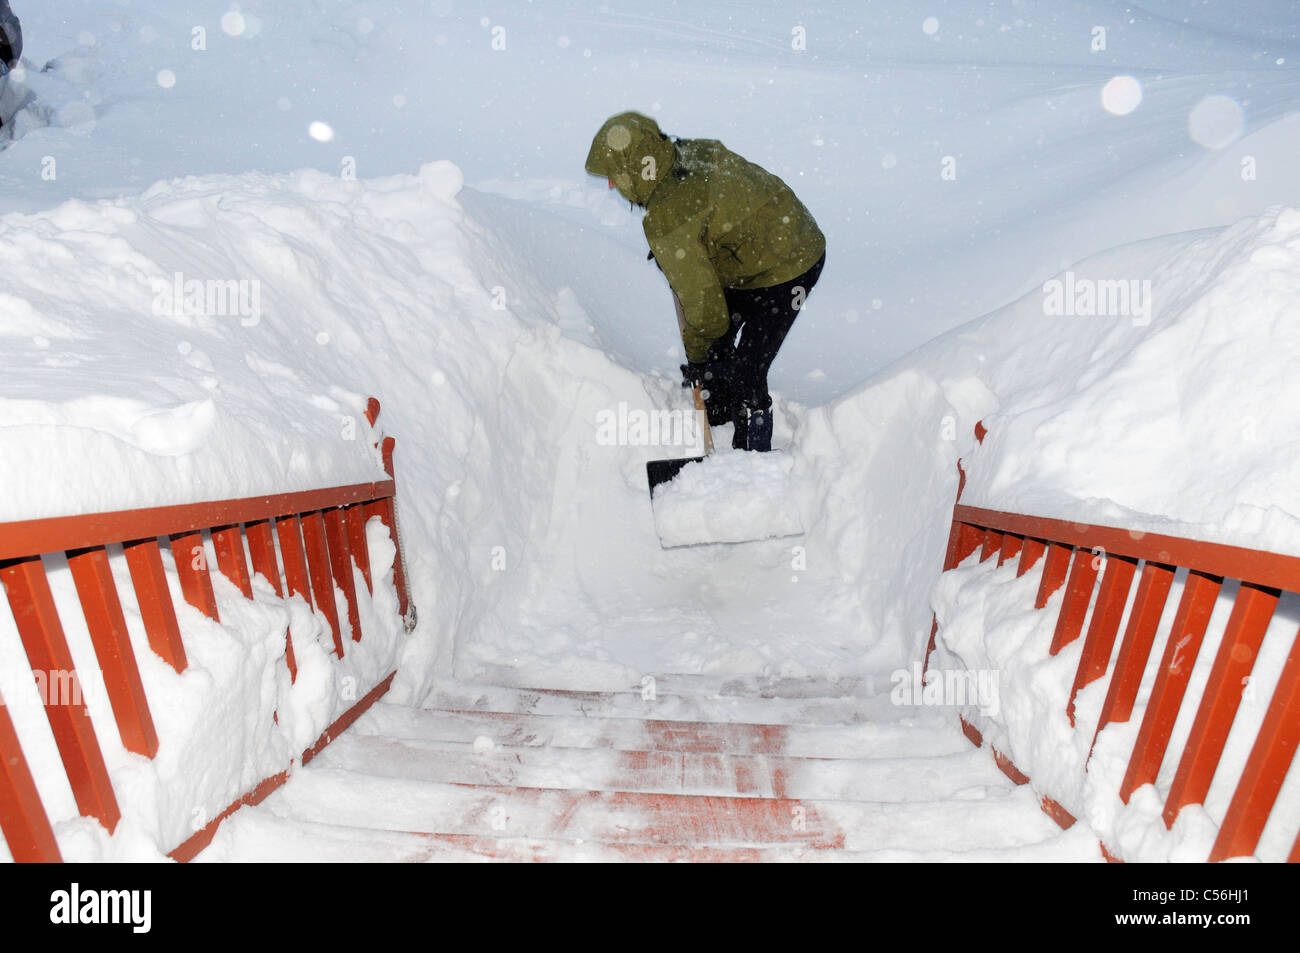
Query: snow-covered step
[[564, 776], [670, 771], [686, 698], [1000, 820], [872, 740], [258, 835], [263, 837]]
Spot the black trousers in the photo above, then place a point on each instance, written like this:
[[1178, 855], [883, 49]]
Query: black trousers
[[762, 317]]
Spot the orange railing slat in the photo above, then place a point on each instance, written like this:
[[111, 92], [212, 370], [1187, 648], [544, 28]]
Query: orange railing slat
[[144, 560], [47, 652], [107, 626], [23, 821], [1251, 614], [1181, 649]]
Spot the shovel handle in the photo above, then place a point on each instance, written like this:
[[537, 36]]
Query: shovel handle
[[703, 414], [700, 409]]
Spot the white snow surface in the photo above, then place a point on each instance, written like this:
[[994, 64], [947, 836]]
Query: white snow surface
[[728, 498], [443, 251]]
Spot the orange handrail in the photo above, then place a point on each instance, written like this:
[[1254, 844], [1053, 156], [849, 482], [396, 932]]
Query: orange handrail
[[1097, 566], [321, 537]]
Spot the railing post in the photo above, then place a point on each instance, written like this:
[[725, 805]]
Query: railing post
[[1222, 695], [144, 560], [192, 567], [1171, 681], [261, 552], [1116, 580], [107, 626], [1078, 596], [1030, 553], [228, 542], [1055, 567], [342, 563], [322, 577], [47, 651], [1269, 760], [23, 821], [1135, 649], [354, 519]]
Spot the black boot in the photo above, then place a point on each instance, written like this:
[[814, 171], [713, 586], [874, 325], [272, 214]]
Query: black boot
[[753, 428], [760, 430], [740, 417]]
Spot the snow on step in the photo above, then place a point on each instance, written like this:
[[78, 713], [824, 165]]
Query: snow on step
[[686, 698], [889, 740], [257, 835], [565, 776], [264, 837], [331, 796], [669, 771]]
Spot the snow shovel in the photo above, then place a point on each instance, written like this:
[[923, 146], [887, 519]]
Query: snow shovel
[[661, 471], [722, 498]]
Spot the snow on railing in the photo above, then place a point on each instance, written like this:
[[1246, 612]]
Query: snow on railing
[[1076, 556], [305, 542]]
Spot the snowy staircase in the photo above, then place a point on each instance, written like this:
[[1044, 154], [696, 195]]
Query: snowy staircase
[[691, 775]]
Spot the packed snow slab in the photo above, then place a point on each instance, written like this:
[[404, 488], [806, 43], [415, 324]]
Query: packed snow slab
[[728, 498]]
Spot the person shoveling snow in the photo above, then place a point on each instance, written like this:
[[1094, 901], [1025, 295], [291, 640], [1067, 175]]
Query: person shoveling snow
[[739, 250], [741, 254]]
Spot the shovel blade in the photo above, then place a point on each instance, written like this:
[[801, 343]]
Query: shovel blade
[[661, 471], [735, 498]]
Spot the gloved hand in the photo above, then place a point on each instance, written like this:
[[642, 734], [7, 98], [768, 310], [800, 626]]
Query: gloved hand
[[693, 374], [704, 374]]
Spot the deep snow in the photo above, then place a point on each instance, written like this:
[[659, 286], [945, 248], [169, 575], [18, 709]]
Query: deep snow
[[497, 321], [856, 105]]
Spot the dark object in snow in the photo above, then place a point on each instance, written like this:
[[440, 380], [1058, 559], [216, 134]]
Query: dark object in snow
[[11, 38]]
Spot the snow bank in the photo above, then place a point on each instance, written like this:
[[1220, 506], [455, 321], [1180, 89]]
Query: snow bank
[[1162, 420], [951, 167], [126, 384]]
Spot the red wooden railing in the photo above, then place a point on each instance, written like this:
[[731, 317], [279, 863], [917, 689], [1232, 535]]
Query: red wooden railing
[[1068, 553], [320, 536]]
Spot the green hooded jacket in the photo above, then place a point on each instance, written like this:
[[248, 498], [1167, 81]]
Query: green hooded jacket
[[713, 219]]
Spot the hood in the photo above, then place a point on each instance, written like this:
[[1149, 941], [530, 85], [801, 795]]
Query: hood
[[632, 153]]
